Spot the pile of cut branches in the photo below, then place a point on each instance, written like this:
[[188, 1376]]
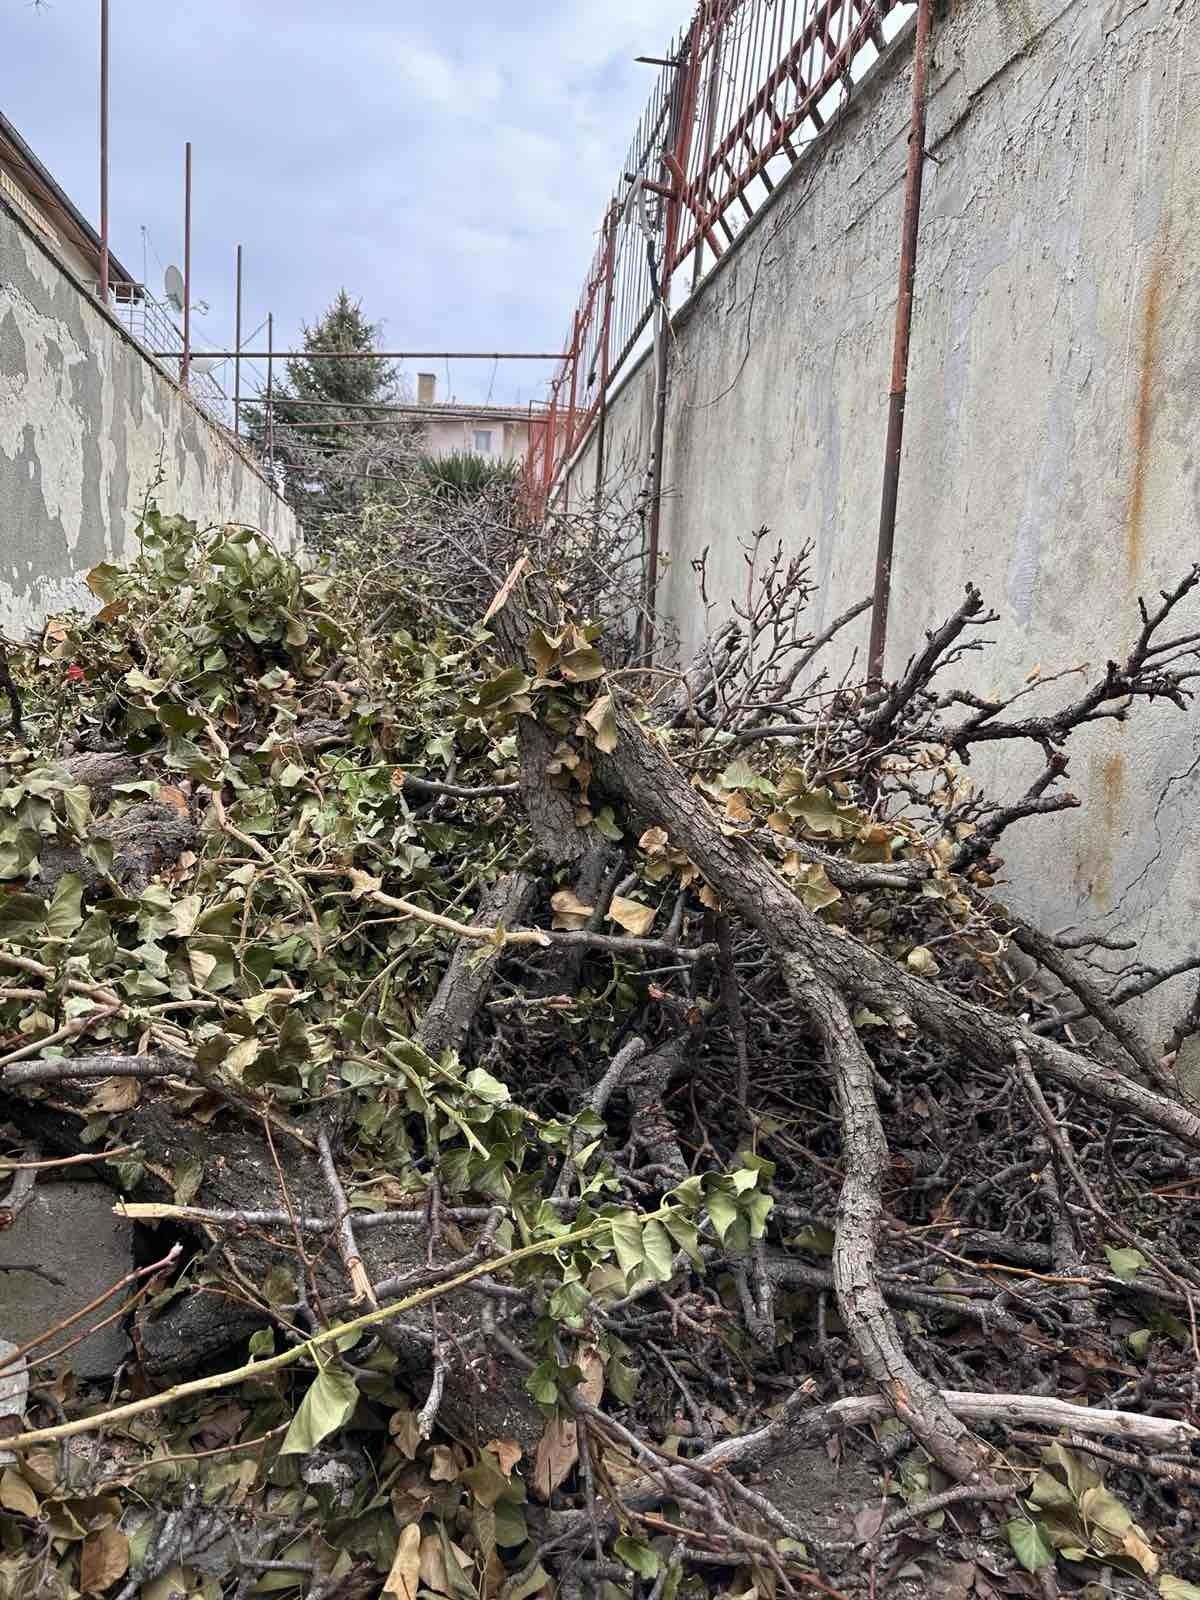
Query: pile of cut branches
[[589, 1139]]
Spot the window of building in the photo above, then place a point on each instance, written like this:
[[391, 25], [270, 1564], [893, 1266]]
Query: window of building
[[483, 441]]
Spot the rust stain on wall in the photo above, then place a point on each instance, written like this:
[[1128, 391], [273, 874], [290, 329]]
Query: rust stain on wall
[[1143, 416], [1098, 858]]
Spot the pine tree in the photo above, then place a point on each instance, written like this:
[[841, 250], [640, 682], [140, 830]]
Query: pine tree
[[326, 465]]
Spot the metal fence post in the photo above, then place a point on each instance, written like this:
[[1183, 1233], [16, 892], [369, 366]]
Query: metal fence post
[[185, 365], [898, 395], [610, 253]]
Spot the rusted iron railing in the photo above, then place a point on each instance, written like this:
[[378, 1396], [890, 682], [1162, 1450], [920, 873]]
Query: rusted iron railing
[[738, 96]]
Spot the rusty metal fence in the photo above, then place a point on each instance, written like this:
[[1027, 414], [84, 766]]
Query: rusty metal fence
[[738, 96]]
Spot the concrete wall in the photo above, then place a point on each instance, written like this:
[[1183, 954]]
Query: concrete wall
[[1054, 386], [85, 421]]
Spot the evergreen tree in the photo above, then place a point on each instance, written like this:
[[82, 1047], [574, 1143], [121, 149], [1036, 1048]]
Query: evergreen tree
[[325, 466]]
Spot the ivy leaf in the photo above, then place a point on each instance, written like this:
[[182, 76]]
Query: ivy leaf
[[533, 1582], [1126, 1264], [64, 914], [542, 1383], [16, 1495], [21, 916], [582, 665], [631, 915], [758, 1209], [502, 688], [1079, 1474], [1102, 1509], [628, 1242], [1029, 1543], [187, 1178], [402, 1580], [601, 717], [722, 1212], [1177, 1588], [638, 1556], [103, 1559], [570, 913], [328, 1405], [921, 960], [486, 1088], [102, 581], [659, 1254], [1049, 1491]]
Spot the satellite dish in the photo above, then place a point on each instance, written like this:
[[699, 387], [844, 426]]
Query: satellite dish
[[173, 284], [204, 363]]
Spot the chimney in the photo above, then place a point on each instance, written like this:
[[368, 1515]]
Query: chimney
[[426, 388]]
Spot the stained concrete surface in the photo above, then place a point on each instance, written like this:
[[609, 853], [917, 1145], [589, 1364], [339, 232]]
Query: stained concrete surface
[[67, 1229], [1054, 382], [88, 424], [14, 1393]]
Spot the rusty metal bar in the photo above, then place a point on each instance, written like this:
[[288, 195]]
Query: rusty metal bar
[[898, 395], [567, 448], [186, 360], [104, 151], [375, 355], [237, 360], [271, 388], [675, 158], [438, 408], [610, 239], [701, 196]]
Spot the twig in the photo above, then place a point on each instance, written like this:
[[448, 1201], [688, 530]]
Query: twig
[[352, 1260], [61, 1326]]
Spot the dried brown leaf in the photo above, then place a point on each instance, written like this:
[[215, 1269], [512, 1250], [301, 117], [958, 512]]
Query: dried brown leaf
[[103, 1559], [403, 1579]]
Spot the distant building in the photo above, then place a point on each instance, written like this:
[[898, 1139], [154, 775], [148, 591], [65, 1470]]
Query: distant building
[[498, 433]]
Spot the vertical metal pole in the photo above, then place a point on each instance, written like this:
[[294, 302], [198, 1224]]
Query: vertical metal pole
[[683, 91], [650, 608], [712, 93], [237, 345], [570, 444], [186, 363], [899, 386], [271, 388], [104, 151], [605, 341]]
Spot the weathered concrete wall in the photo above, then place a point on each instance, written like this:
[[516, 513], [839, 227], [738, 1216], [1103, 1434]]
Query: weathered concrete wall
[[85, 421], [1054, 384]]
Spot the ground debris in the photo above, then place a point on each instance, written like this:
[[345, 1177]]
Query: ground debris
[[574, 1140]]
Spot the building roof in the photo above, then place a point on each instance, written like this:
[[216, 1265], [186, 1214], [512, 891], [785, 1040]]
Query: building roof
[[463, 411], [51, 200]]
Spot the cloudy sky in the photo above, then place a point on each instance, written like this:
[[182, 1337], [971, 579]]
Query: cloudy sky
[[448, 161]]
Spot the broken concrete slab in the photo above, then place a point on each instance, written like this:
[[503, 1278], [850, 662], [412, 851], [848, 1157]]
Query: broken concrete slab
[[14, 1391], [68, 1230]]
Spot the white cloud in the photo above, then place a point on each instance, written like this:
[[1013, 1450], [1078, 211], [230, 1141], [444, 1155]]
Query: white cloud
[[448, 162]]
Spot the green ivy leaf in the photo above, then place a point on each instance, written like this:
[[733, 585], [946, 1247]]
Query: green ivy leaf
[[722, 1212], [486, 1088], [328, 1405], [1050, 1491], [1029, 1544], [65, 912], [638, 1556], [628, 1242], [658, 1252], [22, 916], [1126, 1264], [1177, 1588]]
